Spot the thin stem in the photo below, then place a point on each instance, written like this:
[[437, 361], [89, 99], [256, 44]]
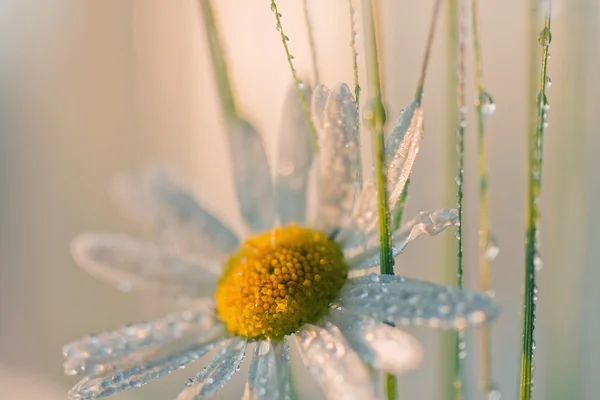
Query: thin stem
[[429, 45], [484, 262], [219, 61], [399, 207], [376, 118], [297, 81], [354, 34], [536, 141], [459, 350], [311, 41], [448, 341]]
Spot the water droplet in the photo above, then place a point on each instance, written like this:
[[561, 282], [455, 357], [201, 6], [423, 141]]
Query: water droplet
[[537, 262], [273, 7], [462, 355], [492, 249], [542, 100], [533, 345], [374, 278], [545, 36], [189, 382], [125, 286], [548, 82], [488, 107], [444, 309], [494, 394]]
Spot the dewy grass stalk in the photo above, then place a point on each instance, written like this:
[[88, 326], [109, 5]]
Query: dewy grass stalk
[[448, 255], [460, 345], [311, 42], [354, 34], [299, 84], [484, 107], [536, 140], [375, 116], [226, 95]]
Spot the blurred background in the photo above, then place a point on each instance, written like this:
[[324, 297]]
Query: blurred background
[[89, 89]]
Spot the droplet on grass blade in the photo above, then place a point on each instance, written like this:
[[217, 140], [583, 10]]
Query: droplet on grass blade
[[488, 106], [492, 249]]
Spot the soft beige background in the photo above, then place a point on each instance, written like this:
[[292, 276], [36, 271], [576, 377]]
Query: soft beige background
[[92, 88]]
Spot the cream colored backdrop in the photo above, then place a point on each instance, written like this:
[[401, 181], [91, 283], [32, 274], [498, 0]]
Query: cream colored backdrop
[[92, 88]]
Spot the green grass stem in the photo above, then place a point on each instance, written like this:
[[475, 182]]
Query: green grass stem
[[459, 348], [311, 41], [304, 103], [226, 95], [483, 100], [354, 34], [399, 207], [375, 115], [536, 141]]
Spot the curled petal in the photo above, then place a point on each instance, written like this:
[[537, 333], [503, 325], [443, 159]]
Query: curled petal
[[131, 263], [294, 161], [174, 214], [402, 147], [402, 301], [378, 344], [269, 376], [131, 357], [339, 159], [218, 372], [251, 174], [332, 362], [428, 223]]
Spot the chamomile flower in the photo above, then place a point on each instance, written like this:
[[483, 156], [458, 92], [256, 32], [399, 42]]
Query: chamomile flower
[[295, 276]]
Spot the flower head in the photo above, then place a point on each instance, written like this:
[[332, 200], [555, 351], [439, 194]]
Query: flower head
[[295, 274]]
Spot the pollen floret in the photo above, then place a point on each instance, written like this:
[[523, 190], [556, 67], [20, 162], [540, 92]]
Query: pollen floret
[[279, 281]]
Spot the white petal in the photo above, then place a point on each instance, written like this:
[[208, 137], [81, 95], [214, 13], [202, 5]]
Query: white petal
[[175, 214], [378, 344], [402, 147], [339, 160], [218, 372], [98, 354], [294, 161], [269, 376], [252, 175], [131, 263], [332, 362], [318, 102], [126, 359], [403, 143], [398, 300], [429, 223]]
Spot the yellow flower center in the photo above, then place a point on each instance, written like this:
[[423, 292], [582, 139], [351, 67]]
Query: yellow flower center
[[279, 281]]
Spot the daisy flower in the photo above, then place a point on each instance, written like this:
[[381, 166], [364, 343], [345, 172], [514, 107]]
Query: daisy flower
[[294, 274]]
